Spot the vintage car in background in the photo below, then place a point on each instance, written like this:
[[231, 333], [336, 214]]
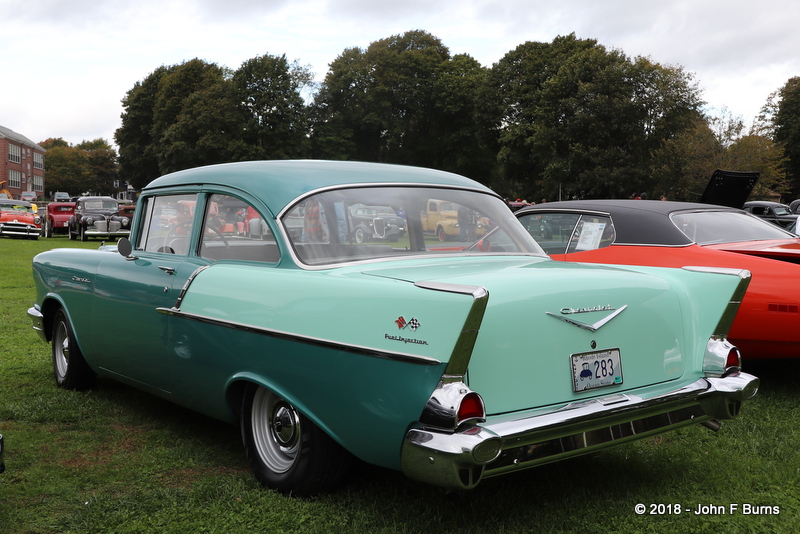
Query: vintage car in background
[[98, 217], [29, 196], [452, 364], [376, 223], [676, 234], [57, 218], [774, 212], [18, 219], [447, 220]]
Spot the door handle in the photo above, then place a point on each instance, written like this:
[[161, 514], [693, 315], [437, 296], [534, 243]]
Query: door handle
[[168, 270]]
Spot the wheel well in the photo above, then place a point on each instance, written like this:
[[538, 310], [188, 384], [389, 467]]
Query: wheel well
[[49, 309]]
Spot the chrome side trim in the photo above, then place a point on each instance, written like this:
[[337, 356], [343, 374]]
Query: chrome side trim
[[189, 281], [726, 321], [308, 340], [459, 460], [462, 352]]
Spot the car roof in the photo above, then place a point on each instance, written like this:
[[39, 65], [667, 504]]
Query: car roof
[[278, 183], [635, 221]]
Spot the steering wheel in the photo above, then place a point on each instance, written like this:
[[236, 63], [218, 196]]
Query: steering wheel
[[217, 231], [171, 236]]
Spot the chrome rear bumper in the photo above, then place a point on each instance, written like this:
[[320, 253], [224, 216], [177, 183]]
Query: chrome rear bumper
[[461, 459]]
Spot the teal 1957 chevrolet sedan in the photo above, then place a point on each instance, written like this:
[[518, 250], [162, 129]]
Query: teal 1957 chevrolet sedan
[[247, 296]]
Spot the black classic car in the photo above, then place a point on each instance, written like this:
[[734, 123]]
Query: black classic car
[[774, 212], [98, 217], [376, 223]]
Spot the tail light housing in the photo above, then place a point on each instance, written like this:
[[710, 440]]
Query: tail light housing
[[452, 405], [721, 357]]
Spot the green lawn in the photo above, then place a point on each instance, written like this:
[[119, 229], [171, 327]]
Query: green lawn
[[117, 460]]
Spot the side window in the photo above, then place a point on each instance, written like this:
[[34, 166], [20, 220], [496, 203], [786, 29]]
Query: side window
[[234, 230], [551, 230], [167, 224], [591, 233]]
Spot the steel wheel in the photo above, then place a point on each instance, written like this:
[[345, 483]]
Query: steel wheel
[[276, 431], [286, 450], [69, 367], [60, 350]]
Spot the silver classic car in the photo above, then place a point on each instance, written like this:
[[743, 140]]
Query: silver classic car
[[248, 298]]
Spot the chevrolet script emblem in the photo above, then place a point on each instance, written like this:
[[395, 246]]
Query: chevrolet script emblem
[[566, 312]]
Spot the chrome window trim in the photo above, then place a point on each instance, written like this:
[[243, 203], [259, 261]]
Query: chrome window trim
[[306, 267]]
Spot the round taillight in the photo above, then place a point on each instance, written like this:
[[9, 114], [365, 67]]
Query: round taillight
[[471, 407]]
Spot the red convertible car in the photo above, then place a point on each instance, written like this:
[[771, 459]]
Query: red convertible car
[[678, 234]]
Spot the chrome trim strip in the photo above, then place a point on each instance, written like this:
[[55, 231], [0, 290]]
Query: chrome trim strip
[[365, 185], [308, 340], [726, 321], [462, 352], [189, 281]]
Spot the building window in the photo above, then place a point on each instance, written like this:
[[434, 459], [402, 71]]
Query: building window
[[38, 160], [38, 183], [14, 178], [14, 153]]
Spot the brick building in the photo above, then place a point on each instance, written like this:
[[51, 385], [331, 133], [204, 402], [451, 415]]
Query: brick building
[[21, 164]]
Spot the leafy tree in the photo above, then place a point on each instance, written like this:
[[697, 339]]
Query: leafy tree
[[138, 158], [686, 162], [786, 122], [268, 89], [405, 100], [66, 168], [102, 165], [580, 117]]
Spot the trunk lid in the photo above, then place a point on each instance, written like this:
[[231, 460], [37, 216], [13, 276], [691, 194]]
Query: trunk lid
[[522, 356]]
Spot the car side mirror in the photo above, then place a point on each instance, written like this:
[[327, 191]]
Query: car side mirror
[[124, 247]]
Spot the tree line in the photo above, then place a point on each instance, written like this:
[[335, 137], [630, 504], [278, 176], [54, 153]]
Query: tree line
[[565, 119]]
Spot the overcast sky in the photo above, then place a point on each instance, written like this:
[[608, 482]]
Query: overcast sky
[[66, 65]]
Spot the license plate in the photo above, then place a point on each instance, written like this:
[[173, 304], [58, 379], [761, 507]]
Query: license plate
[[596, 369]]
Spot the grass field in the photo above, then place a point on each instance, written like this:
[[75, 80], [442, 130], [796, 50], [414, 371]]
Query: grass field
[[117, 460]]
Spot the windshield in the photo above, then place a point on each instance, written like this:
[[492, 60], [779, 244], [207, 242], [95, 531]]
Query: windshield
[[709, 227], [100, 204], [367, 223], [16, 207]]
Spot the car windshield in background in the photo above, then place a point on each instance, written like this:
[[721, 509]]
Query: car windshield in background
[[100, 204], [710, 227], [367, 223], [16, 207]]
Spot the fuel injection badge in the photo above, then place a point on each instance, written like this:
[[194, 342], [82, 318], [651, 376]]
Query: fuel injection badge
[[402, 324]]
